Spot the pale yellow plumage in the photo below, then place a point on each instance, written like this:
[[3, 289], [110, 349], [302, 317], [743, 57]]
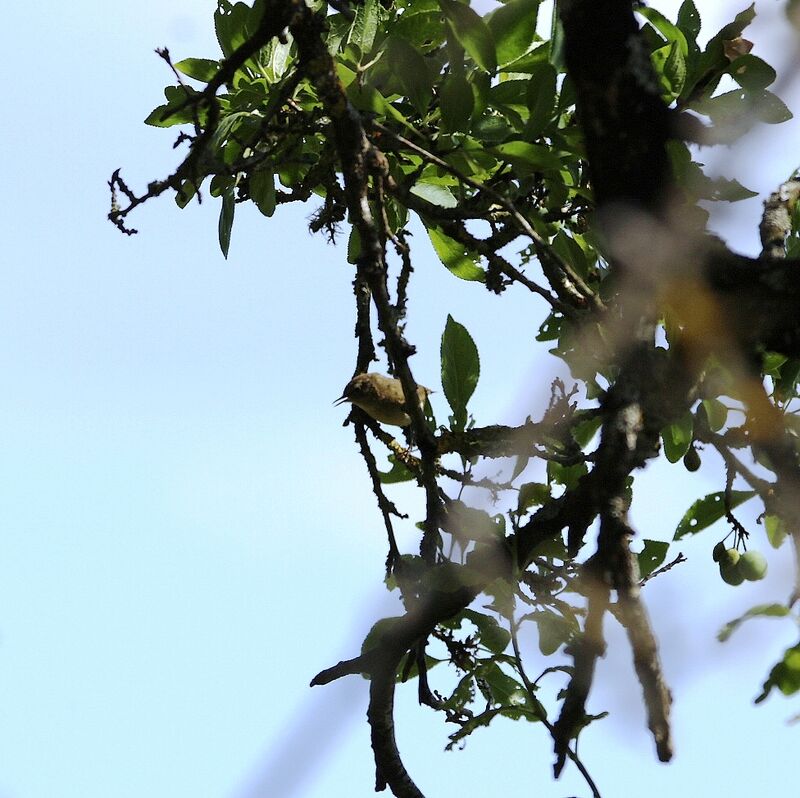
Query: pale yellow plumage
[[381, 397]]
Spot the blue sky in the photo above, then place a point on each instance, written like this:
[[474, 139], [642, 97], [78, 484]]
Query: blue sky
[[188, 532]]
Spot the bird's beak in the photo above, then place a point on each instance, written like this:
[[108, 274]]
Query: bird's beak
[[340, 400]]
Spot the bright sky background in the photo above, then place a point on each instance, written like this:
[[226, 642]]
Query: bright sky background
[[188, 534]]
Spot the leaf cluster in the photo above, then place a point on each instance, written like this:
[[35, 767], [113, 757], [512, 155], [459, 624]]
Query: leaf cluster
[[468, 126]]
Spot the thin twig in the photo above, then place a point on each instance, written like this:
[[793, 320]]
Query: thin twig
[[386, 506], [585, 293], [531, 690], [663, 569]]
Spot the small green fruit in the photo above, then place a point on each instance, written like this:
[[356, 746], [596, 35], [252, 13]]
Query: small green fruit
[[731, 573], [753, 566], [718, 552], [729, 558], [691, 460]]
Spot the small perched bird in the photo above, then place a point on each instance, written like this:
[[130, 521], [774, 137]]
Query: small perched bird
[[381, 397]]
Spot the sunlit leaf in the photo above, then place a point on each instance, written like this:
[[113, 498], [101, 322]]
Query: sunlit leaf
[[198, 68], [776, 530], [677, 437], [535, 157], [785, 675], [708, 510], [455, 256], [365, 25], [460, 368], [472, 32], [513, 26]]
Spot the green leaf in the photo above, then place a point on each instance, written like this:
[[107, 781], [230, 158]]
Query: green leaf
[[716, 413], [449, 577], [677, 437], [368, 98], [504, 690], [230, 23], [713, 57], [491, 634], [570, 251], [411, 70], [772, 362], [534, 157], [733, 29], [513, 26], [353, 245], [438, 195], [708, 66], [554, 631], [770, 109], [262, 190], [672, 33], [422, 27], [202, 69], [550, 329], [365, 26], [651, 556], [226, 219], [708, 510], [553, 547], [187, 192], [380, 629], [456, 102], [584, 431], [566, 475], [275, 57], [776, 530], [786, 385], [472, 33], [751, 72], [724, 109], [759, 611], [557, 52], [738, 108], [723, 190], [455, 257], [542, 96], [785, 675], [220, 184], [689, 19], [675, 69], [397, 473], [503, 597], [532, 494], [529, 62], [519, 466], [492, 128], [225, 128], [407, 671], [460, 368], [466, 523], [169, 115]]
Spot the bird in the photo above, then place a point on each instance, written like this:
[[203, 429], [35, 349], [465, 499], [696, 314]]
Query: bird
[[381, 397]]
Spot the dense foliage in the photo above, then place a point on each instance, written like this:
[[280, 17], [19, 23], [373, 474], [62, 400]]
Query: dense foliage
[[550, 156]]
